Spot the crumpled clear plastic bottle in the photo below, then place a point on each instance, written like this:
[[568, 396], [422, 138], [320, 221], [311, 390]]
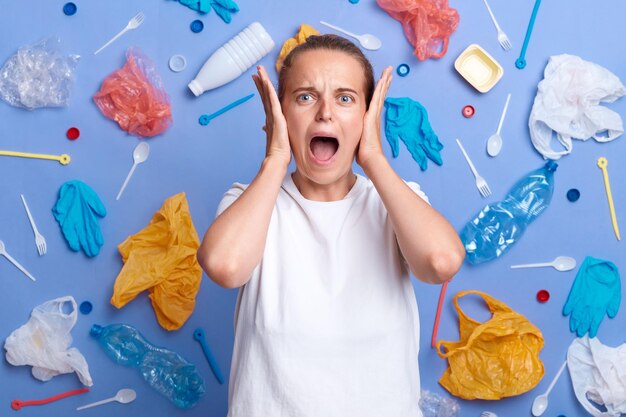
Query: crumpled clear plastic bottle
[[433, 405], [492, 232], [166, 371]]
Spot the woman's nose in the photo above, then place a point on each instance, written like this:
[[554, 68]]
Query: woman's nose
[[324, 112]]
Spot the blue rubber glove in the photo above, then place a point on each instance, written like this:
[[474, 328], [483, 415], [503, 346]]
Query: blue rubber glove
[[203, 6], [596, 291], [408, 120], [224, 8], [77, 211]]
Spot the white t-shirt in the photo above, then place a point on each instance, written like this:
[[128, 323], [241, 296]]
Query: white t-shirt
[[328, 323]]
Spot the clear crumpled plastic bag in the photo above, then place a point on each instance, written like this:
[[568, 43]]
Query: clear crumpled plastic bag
[[38, 75], [134, 97], [44, 342], [427, 24], [433, 405]]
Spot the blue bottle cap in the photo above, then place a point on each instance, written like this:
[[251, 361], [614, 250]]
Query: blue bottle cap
[[69, 9], [573, 194], [197, 26], [551, 166], [354, 1], [96, 330], [403, 70], [85, 307]]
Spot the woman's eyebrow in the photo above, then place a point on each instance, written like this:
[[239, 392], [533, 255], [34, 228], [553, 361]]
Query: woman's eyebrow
[[303, 88], [347, 90]]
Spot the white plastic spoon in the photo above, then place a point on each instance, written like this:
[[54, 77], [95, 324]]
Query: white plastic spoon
[[140, 154], [123, 396], [367, 41], [494, 143], [560, 263], [540, 404]]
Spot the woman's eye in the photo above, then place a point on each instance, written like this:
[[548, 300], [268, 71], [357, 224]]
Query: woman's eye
[[345, 99], [304, 97]]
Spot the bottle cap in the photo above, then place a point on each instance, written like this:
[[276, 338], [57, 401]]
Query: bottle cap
[[551, 166], [354, 1], [195, 88], [403, 70], [177, 63], [196, 26], [96, 330], [85, 307], [543, 296], [468, 111], [72, 133], [573, 194], [69, 9]]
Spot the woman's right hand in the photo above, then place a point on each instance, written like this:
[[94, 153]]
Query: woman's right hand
[[275, 128]]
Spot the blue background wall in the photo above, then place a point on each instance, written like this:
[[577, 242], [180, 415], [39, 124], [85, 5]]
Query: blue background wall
[[204, 161]]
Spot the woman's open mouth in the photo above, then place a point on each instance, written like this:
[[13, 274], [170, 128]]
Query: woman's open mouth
[[323, 148]]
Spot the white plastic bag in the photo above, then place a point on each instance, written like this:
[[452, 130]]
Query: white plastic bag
[[43, 343]]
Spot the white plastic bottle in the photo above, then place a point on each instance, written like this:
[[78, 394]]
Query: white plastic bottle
[[233, 58]]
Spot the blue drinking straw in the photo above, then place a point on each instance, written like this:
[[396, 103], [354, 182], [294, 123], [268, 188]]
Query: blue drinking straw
[[206, 118]]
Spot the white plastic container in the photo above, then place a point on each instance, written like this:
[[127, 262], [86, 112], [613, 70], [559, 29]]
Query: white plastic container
[[233, 59]]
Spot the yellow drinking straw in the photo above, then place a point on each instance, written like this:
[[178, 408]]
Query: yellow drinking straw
[[602, 163]]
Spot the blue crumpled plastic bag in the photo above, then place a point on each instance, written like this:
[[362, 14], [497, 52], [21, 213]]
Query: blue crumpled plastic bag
[[407, 120], [223, 8], [77, 211]]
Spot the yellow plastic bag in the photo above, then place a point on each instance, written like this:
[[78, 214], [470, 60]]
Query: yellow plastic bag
[[161, 258], [304, 32], [495, 359]]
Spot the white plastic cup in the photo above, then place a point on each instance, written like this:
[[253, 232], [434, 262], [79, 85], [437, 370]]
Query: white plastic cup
[[233, 59]]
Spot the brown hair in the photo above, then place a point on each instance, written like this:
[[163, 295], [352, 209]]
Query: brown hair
[[330, 43]]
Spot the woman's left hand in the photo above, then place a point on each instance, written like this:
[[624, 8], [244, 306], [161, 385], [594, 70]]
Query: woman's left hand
[[370, 145]]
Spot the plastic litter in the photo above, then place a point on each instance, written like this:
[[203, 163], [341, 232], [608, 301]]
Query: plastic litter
[[206, 118], [44, 343], [177, 63], [520, 63], [598, 373], [568, 104], [133, 96], [596, 291], [468, 111], [123, 396], [223, 8], [198, 335], [77, 211], [233, 59], [602, 164], [403, 70], [433, 405], [427, 24], [161, 258], [407, 120], [164, 370], [140, 155], [38, 75], [63, 159], [367, 41], [498, 226], [478, 68], [540, 403], [85, 307], [543, 296], [18, 404], [494, 359], [3, 252], [573, 195], [69, 9], [196, 26], [72, 133], [303, 32], [133, 23]]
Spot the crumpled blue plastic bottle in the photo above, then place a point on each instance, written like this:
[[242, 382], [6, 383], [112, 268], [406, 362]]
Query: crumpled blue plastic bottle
[[166, 371], [492, 232]]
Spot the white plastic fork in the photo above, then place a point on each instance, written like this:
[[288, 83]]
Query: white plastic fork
[[481, 184], [488, 414], [40, 241], [4, 253], [132, 24], [505, 43]]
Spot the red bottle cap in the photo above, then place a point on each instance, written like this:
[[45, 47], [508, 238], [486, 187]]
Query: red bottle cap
[[543, 296], [468, 111], [73, 133]]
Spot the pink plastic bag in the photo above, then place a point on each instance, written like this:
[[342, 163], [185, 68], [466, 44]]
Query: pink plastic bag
[[427, 24], [134, 97]]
